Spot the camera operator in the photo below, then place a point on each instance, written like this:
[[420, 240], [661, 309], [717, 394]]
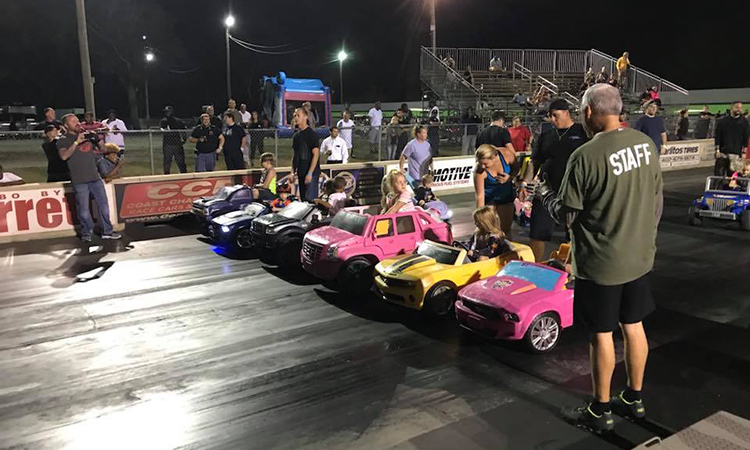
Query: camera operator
[[77, 148]]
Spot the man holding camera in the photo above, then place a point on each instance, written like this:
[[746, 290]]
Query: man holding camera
[[77, 148]]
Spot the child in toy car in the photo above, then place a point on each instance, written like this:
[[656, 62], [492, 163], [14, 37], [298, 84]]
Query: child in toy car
[[488, 241]]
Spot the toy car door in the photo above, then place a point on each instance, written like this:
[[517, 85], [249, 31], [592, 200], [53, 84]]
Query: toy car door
[[406, 232], [384, 236]]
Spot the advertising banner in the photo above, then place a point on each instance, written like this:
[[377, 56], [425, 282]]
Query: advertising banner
[[449, 173], [362, 183], [680, 155], [44, 209], [162, 200]]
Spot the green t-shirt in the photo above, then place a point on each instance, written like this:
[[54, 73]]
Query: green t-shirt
[[613, 181]]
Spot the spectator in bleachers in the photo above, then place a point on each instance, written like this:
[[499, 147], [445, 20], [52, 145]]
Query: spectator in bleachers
[[623, 64], [469, 75], [449, 61], [732, 136], [408, 117], [115, 124], [172, 141], [589, 78], [654, 93], [9, 178], [57, 169], [208, 142], [471, 129], [652, 125], [520, 136], [683, 124], [520, 99], [345, 126], [613, 81], [602, 76], [496, 65], [703, 124], [49, 119]]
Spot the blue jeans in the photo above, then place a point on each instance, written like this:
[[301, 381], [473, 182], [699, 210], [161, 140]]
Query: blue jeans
[[308, 192], [205, 162], [84, 191]]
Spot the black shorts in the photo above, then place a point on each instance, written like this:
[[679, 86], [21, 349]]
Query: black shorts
[[601, 308], [542, 224]]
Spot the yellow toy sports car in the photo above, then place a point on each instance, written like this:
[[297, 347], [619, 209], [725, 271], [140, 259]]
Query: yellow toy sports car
[[431, 277]]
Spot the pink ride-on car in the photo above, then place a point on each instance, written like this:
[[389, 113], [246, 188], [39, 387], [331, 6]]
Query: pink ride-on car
[[528, 301], [349, 249]]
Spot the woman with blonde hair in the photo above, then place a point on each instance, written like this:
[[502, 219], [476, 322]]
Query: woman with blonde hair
[[488, 241], [493, 182]]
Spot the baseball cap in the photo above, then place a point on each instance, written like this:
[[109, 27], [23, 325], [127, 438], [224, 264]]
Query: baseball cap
[[49, 128], [558, 104], [168, 108]]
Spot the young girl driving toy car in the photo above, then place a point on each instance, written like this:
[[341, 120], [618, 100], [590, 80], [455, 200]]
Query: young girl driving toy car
[[398, 197], [488, 241], [266, 189]]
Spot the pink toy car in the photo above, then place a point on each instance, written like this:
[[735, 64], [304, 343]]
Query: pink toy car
[[528, 301], [353, 244]]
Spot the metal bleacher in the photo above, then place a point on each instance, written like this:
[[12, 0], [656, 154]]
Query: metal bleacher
[[526, 71]]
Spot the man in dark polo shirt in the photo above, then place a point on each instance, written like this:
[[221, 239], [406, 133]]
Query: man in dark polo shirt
[[611, 198], [306, 157], [549, 159], [208, 142], [235, 139], [79, 153]]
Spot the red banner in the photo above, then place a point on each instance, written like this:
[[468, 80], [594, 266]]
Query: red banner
[[140, 202], [36, 210]]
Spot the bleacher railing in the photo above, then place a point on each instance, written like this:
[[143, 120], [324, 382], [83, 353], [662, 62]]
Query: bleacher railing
[[447, 83], [556, 62]]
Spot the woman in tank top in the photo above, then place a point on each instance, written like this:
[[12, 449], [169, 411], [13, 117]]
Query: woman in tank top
[[493, 182]]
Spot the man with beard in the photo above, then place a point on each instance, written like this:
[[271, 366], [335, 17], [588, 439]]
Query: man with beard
[[732, 136]]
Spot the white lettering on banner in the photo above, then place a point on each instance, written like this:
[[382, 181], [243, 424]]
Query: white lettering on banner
[[628, 159], [452, 173], [194, 189]]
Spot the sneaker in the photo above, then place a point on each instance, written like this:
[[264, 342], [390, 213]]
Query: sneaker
[[86, 239], [585, 418], [624, 408], [113, 236]]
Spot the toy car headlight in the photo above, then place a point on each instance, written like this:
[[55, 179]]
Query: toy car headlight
[[333, 252], [270, 230], [509, 316], [224, 229]]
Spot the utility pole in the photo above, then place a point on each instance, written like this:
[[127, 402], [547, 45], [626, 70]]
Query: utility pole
[[433, 27], [229, 69], [83, 45]]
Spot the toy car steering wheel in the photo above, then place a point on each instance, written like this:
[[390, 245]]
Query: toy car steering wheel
[[461, 245]]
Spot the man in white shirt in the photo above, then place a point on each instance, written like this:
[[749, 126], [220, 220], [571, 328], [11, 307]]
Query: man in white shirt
[[245, 115], [345, 126], [113, 137], [376, 120], [335, 148]]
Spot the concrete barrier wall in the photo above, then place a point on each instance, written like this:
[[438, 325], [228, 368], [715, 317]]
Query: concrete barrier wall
[[35, 211]]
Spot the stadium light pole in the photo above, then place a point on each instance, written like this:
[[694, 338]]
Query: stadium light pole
[[149, 58], [433, 27], [83, 46], [229, 23], [342, 57]]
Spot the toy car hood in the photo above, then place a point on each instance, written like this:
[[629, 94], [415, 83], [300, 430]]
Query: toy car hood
[[508, 293], [248, 212], [332, 235], [416, 266]]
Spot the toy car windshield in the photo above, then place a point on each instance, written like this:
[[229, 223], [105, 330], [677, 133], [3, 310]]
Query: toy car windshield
[[544, 278], [440, 253], [728, 184], [296, 210], [351, 222], [225, 192], [253, 208]]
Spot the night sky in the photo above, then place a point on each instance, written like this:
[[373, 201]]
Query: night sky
[[696, 45]]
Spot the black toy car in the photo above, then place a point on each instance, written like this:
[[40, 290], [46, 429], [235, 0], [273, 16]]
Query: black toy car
[[229, 198], [278, 236], [233, 229]]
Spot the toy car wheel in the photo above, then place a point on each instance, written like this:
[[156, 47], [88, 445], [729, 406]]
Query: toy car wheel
[[355, 276], [745, 220], [692, 217], [543, 333], [440, 299], [244, 239], [289, 254]]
